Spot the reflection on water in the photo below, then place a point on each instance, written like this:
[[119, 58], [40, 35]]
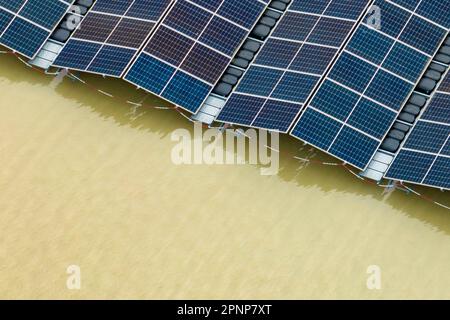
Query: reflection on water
[[87, 180]]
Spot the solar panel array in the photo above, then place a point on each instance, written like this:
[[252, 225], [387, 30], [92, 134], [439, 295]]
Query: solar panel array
[[26, 24], [359, 100], [192, 47], [425, 156], [291, 63], [110, 35], [324, 72]]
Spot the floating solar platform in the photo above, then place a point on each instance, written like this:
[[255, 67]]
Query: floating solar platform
[[111, 35], [363, 93], [25, 25], [425, 156], [191, 48], [322, 72]]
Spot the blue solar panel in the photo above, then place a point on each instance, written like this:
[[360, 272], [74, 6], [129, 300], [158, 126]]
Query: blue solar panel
[[5, 19], [295, 87], [353, 147], [242, 107], [428, 137], [408, 4], [438, 109], [446, 150], [276, 115], [209, 4], [330, 31], [112, 33], [284, 51], [45, 13], [425, 155], [183, 89], [242, 12], [196, 42], [372, 118], [411, 166], [439, 173], [423, 35], [24, 37], [345, 9], [335, 100], [436, 10], [352, 72], [260, 81], [114, 7], [188, 19], [295, 26], [406, 62], [12, 5], [313, 59], [317, 7], [154, 73], [78, 54], [381, 67], [223, 36], [292, 61], [111, 60], [371, 45], [389, 89], [25, 25], [318, 128], [147, 9]]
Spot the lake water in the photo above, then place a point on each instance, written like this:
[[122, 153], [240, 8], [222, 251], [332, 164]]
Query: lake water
[[87, 180]]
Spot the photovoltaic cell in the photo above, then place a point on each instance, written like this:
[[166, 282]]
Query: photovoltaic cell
[[111, 35], [25, 25], [194, 44], [12, 5], [425, 155], [436, 10], [365, 89], [5, 19], [292, 62]]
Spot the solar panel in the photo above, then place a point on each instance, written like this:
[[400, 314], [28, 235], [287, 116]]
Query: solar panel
[[192, 47], [110, 35], [364, 91], [25, 25], [425, 156], [291, 63]]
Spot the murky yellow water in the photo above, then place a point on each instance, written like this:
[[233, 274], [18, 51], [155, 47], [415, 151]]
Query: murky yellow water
[[87, 180]]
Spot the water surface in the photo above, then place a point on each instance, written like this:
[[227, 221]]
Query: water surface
[[87, 180]]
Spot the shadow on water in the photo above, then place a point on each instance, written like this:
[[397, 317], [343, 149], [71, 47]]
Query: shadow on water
[[164, 122]]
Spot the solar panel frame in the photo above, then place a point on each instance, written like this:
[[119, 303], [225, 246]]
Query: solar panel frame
[[177, 69], [404, 151], [364, 164], [105, 45], [18, 17], [285, 71]]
